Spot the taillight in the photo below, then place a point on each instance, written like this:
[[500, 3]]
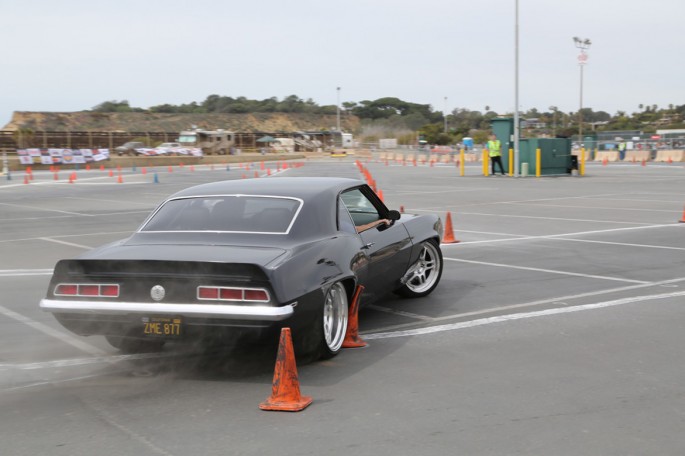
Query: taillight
[[232, 294], [256, 295], [111, 291], [107, 290], [207, 293], [66, 290]]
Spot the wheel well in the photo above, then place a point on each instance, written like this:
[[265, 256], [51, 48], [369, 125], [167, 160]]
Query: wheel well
[[349, 285]]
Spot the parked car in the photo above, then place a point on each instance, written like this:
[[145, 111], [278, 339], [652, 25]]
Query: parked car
[[248, 256], [129, 148]]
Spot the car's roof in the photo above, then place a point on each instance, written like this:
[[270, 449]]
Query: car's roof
[[298, 187]]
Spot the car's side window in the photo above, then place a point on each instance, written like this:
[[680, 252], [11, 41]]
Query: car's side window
[[360, 207], [345, 222]]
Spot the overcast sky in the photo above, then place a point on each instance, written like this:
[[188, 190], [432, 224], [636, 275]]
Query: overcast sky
[[70, 55]]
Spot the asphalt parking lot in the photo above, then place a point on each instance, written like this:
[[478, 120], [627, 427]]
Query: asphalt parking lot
[[557, 328]]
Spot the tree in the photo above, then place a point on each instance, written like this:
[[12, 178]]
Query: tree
[[113, 106]]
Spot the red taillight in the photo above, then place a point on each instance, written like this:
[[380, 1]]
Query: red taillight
[[88, 290], [232, 294], [111, 291], [66, 290], [207, 293], [256, 295]]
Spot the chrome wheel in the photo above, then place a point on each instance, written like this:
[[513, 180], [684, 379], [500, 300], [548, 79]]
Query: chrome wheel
[[335, 317], [424, 275]]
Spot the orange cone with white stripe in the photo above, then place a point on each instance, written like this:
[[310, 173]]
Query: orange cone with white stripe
[[448, 237], [285, 389]]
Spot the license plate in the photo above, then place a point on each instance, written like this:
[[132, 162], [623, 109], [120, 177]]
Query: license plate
[[162, 326]]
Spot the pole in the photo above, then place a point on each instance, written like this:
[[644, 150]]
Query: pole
[[337, 106], [516, 92], [444, 114], [580, 111]]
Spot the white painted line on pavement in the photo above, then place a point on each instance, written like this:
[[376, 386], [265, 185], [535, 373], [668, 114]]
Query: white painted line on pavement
[[564, 219], [399, 312], [70, 244], [554, 236], [74, 362], [556, 299], [45, 329], [624, 244], [102, 233], [613, 208], [24, 272], [44, 209], [548, 271], [519, 316]]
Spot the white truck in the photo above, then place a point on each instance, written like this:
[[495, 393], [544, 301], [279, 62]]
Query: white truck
[[210, 141]]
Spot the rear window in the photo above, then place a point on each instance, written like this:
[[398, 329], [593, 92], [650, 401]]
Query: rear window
[[234, 213]]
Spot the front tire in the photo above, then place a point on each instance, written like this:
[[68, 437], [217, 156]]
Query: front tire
[[424, 275]]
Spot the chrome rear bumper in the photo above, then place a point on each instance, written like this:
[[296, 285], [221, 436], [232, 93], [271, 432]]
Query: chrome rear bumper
[[263, 313]]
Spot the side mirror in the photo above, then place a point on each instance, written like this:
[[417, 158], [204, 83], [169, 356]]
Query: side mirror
[[394, 215]]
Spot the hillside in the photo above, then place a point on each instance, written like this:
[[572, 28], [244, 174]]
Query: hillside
[[140, 122]]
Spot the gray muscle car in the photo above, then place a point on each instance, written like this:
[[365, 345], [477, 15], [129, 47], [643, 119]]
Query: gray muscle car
[[248, 256]]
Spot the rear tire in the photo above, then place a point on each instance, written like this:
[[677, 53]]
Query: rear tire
[[132, 345], [324, 339]]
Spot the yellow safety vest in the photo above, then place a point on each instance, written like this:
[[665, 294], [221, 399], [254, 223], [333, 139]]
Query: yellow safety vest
[[494, 148]]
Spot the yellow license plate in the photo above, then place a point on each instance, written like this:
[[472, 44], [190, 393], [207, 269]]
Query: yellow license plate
[[162, 326]]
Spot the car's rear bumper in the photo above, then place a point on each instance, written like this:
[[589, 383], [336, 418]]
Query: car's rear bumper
[[220, 311]]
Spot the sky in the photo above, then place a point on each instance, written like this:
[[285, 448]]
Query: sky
[[71, 55]]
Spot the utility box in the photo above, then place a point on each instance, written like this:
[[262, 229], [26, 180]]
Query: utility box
[[555, 153]]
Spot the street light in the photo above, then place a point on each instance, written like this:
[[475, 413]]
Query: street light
[[444, 114], [583, 45], [516, 89], [337, 108]]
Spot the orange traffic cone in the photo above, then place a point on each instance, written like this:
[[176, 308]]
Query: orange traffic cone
[[170, 169], [352, 339], [682, 220], [644, 162], [401, 209], [448, 237], [111, 173], [120, 179], [604, 161], [285, 389]]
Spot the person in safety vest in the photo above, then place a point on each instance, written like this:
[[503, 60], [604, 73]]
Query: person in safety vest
[[495, 152]]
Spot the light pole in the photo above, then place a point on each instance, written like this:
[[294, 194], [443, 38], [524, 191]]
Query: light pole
[[583, 45], [444, 114], [516, 90], [337, 110]]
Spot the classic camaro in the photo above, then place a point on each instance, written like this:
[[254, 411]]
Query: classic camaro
[[249, 255]]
